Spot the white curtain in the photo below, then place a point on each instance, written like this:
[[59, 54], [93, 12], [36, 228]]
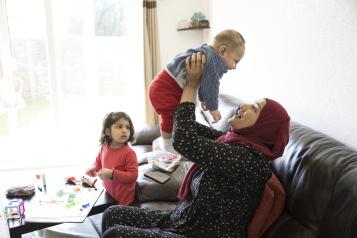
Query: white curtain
[[151, 52]]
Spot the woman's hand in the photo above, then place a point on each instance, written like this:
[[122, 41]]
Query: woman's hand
[[194, 69]]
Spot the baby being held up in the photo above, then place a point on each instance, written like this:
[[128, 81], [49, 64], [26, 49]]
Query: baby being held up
[[226, 50]]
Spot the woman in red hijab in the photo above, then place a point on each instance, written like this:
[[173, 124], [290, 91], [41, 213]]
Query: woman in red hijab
[[223, 188]]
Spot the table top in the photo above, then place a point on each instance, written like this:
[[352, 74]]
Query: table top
[[53, 178]]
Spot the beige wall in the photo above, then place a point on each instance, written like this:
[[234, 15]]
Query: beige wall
[[302, 53], [170, 12]]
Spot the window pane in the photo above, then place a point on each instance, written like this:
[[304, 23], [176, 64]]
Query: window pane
[[111, 19], [68, 71]]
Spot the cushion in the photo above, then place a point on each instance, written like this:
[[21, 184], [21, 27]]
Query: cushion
[[143, 158], [149, 190], [140, 149], [228, 105], [156, 205], [144, 135], [270, 207]]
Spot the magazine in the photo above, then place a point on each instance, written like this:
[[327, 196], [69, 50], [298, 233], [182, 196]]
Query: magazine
[[164, 161]]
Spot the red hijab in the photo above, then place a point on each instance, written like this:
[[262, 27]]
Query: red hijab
[[269, 135]]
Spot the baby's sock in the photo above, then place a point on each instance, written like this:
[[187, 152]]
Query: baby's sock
[[167, 145]]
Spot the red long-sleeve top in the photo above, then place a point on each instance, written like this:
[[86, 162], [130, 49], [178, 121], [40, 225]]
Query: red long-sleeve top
[[124, 163]]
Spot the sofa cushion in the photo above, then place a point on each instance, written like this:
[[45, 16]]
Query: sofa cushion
[[158, 205], [200, 116], [143, 158], [227, 106], [288, 227], [144, 135], [149, 190], [140, 150]]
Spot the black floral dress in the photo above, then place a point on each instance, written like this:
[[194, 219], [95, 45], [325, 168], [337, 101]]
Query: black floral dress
[[223, 196]]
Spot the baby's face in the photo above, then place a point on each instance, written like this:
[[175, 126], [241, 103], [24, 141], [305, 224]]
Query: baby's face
[[231, 57]]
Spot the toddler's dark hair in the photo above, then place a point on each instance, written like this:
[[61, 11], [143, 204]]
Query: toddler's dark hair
[[109, 120]]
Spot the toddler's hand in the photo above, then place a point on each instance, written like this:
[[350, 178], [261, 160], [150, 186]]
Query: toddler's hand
[[203, 105], [91, 172], [105, 174], [216, 115]]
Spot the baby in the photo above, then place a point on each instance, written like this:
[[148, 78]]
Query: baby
[[226, 50]]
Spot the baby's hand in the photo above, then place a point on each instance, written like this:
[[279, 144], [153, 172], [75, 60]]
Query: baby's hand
[[203, 105], [105, 174], [216, 115], [90, 172]]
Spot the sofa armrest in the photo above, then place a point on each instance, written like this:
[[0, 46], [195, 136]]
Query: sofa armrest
[[145, 135]]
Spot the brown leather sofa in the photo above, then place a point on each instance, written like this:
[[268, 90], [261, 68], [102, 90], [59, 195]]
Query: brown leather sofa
[[318, 172]]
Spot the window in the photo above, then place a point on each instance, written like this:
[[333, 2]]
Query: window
[[65, 64]]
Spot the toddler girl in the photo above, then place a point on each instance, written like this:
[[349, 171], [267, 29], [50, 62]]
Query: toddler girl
[[116, 164]]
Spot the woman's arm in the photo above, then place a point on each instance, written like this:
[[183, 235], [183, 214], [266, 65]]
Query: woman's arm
[[194, 71], [227, 159], [223, 158], [207, 132]]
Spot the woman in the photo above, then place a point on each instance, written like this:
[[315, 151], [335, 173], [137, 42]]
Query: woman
[[222, 189]]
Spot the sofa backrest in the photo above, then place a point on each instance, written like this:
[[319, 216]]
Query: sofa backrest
[[227, 107], [320, 178]]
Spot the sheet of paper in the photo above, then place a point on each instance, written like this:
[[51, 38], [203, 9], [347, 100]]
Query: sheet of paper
[[69, 204]]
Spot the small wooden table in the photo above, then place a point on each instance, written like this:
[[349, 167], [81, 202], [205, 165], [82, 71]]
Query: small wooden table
[[18, 227]]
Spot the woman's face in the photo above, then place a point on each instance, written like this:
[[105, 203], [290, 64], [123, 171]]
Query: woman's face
[[246, 115]]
